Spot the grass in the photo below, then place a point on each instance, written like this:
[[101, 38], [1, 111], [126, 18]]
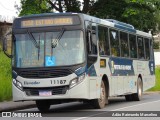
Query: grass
[[157, 86], [5, 77]]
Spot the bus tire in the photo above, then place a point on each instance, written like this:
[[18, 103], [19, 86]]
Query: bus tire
[[42, 105], [128, 97], [101, 102], [138, 96]]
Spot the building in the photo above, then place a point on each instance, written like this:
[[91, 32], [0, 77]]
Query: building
[[5, 26]]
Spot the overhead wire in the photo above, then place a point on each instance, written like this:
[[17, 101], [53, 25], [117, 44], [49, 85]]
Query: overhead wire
[[5, 7]]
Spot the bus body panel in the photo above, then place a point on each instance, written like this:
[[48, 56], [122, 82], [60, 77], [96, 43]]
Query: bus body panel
[[127, 84]]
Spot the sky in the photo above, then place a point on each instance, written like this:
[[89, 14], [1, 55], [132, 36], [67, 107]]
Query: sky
[[7, 10]]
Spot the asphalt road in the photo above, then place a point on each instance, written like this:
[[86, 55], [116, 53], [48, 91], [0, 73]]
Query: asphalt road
[[116, 108]]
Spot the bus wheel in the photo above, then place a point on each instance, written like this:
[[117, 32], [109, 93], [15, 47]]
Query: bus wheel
[[128, 97], [101, 102], [42, 105], [137, 96]]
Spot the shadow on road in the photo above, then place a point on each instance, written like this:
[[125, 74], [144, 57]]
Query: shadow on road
[[79, 109]]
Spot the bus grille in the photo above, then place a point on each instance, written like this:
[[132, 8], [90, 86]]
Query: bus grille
[[55, 90], [47, 73]]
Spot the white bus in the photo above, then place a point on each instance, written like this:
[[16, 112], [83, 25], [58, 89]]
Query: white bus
[[68, 57]]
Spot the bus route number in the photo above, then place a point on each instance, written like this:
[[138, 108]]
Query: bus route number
[[58, 82]]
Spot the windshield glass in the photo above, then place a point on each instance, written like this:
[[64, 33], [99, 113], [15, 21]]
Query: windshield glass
[[69, 49]]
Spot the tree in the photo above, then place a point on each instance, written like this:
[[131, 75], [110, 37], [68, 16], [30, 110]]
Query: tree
[[41, 6], [108, 9], [65, 5], [34, 7], [71, 5], [142, 14], [155, 45]]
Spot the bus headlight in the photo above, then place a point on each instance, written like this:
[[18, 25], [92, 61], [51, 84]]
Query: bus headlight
[[18, 84], [77, 80], [14, 81]]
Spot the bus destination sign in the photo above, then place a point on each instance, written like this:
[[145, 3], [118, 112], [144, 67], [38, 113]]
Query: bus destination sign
[[46, 22]]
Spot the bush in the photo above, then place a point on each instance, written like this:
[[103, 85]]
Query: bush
[[155, 45], [157, 85]]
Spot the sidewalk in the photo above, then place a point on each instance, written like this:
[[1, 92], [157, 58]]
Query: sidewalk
[[11, 106], [151, 92]]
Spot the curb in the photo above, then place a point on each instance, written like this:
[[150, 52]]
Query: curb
[[13, 106], [151, 92]]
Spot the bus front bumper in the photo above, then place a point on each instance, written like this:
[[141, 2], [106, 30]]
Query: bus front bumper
[[80, 91]]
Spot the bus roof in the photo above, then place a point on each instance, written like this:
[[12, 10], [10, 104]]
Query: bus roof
[[116, 24], [108, 22]]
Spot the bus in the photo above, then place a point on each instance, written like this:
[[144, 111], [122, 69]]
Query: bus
[[66, 57]]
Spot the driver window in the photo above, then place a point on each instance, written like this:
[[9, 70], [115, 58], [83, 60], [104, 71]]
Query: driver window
[[93, 44], [91, 37], [140, 47]]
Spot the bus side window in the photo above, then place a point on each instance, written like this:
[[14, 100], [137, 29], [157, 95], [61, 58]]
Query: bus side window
[[114, 40], [141, 54], [151, 50], [103, 41], [91, 38], [147, 48], [124, 44], [93, 43], [133, 46]]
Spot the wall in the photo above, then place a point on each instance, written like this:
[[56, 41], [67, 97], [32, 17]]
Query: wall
[[157, 58], [4, 28]]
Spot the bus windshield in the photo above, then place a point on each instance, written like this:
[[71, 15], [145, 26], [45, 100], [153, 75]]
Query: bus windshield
[[67, 50]]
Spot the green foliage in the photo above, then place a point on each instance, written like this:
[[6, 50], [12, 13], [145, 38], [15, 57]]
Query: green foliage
[[34, 7], [112, 9], [72, 6], [157, 85], [5, 78], [142, 14], [156, 45], [157, 14]]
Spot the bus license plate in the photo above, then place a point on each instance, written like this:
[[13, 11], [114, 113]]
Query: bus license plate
[[45, 93]]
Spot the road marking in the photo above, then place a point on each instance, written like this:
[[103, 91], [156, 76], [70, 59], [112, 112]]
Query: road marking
[[82, 118], [135, 105], [115, 110]]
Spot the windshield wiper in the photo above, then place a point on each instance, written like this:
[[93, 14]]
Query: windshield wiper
[[35, 42], [39, 48], [33, 39], [56, 40]]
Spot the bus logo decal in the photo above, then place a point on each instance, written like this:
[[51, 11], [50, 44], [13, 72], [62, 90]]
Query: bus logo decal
[[121, 67], [50, 61], [31, 83]]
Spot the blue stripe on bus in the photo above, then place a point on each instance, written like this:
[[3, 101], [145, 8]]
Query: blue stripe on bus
[[125, 28], [152, 67], [121, 67], [91, 71], [81, 70]]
